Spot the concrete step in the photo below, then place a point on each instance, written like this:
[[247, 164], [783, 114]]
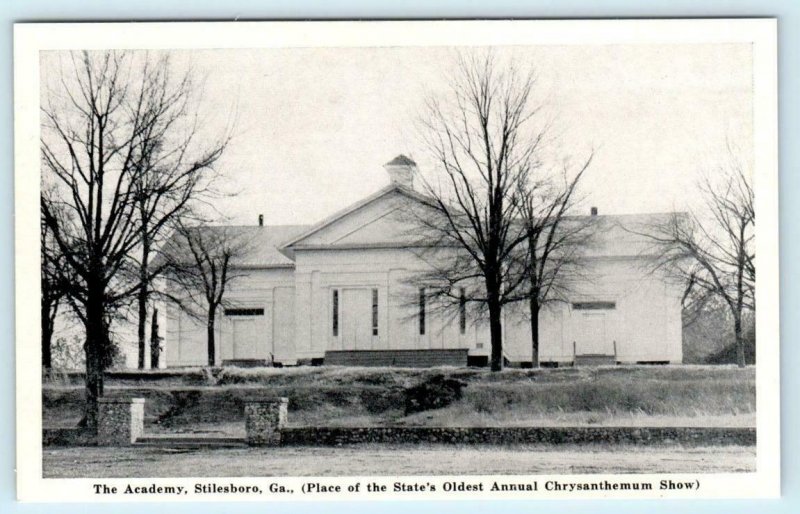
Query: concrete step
[[398, 358]]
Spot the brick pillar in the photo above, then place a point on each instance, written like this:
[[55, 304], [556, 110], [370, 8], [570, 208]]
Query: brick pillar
[[121, 421], [264, 419]]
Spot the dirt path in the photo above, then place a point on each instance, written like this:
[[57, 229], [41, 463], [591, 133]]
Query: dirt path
[[392, 460]]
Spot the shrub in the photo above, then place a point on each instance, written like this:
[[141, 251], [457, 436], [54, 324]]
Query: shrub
[[727, 355], [377, 400], [434, 393], [182, 401]]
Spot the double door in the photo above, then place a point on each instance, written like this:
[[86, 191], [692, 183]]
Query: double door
[[356, 319]]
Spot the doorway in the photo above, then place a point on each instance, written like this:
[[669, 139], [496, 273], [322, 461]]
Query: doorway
[[591, 338], [356, 324]]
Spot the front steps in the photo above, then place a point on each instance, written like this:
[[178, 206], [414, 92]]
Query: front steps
[[397, 358], [246, 363], [430, 358], [590, 359]]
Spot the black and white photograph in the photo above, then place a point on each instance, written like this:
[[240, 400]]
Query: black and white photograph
[[519, 264]]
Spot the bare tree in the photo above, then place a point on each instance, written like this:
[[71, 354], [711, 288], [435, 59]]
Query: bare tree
[[201, 262], [55, 284], [113, 117], [552, 256], [713, 251], [162, 176], [486, 137]]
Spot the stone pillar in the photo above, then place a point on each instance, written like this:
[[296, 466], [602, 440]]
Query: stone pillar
[[120, 421], [264, 419]]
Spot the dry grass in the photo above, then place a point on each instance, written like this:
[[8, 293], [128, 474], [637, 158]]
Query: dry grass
[[345, 396], [343, 375]]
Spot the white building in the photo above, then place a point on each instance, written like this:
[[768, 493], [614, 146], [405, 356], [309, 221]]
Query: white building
[[337, 293]]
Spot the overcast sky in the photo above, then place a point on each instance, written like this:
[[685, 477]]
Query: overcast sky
[[315, 126]]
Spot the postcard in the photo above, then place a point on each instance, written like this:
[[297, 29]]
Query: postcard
[[338, 260]]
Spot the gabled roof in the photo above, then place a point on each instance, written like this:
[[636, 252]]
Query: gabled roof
[[408, 192], [622, 235], [267, 241], [613, 234], [262, 243]]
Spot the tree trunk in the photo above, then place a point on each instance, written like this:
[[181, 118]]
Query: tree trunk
[[142, 296], [737, 330], [496, 335], [212, 313], [534, 308], [94, 348], [142, 301], [155, 342], [47, 335]]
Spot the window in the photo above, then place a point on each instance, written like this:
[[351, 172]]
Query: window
[[462, 311], [335, 313], [422, 311], [374, 312], [244, 312], [593, 306]]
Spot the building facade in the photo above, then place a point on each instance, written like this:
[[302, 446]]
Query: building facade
[[339, 292]]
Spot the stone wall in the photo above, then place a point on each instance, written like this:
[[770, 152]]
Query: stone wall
[[691, 436]]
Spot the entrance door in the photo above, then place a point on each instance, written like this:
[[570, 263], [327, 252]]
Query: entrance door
[[591, 338], [245, 339], [356, 324]]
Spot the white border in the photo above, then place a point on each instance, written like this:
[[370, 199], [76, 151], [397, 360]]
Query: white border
[[29, 39]]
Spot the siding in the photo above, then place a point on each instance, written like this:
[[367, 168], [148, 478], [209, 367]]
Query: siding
[[186, 340]]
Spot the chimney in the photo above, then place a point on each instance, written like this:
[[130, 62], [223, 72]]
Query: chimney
[[593, 211], [260, 220], [401, 171]]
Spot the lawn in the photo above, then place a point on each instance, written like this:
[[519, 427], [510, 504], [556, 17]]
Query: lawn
[[202, 401], [373, 460]]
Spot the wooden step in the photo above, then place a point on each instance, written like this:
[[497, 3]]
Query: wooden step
[[595, 360]]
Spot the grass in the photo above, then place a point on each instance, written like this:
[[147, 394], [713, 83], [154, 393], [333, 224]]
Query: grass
[[344, 375], [381, 460], [345, 396]]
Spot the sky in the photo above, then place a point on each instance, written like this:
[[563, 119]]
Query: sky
[[314, 126]]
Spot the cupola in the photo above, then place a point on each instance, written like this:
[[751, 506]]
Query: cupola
[[401, 171]]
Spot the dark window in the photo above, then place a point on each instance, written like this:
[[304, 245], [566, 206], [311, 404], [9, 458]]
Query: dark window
[[422, 311], [374, 312], [462, 311], [335, 312], [589, 306], [244, 312]]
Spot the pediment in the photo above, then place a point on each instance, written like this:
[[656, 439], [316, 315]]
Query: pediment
[[383, 219]]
